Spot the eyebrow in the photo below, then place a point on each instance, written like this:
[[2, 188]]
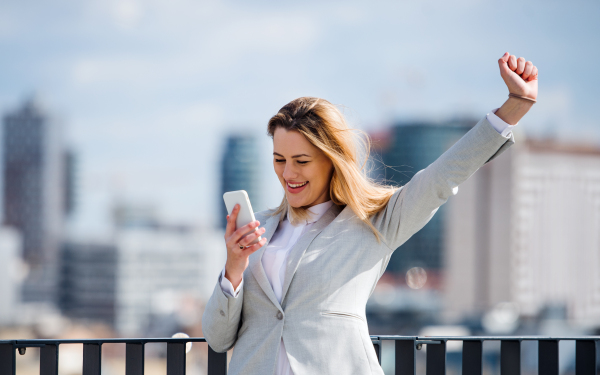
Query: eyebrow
[[295, 156]]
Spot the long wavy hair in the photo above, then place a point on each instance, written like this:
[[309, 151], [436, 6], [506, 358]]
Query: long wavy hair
[[324, 126]]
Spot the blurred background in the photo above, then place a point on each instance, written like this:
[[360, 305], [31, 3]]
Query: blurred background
[[124, 121]]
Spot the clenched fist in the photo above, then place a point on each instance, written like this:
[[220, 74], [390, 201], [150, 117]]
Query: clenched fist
[[519, 75]]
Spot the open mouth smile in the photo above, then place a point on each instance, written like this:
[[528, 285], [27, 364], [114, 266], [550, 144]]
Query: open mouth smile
[[296, 187]]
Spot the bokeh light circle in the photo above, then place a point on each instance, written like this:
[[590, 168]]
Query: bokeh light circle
[[416, 278]]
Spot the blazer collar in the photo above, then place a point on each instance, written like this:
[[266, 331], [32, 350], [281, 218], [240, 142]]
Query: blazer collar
[[294, 256], [300, 247]]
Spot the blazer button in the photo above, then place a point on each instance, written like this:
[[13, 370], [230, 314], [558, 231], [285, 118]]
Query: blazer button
[[279, 315], [222, 313]]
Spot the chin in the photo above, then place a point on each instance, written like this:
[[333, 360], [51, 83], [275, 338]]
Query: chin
[[296, 203]]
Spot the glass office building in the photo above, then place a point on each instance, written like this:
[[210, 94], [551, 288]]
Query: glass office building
[[241, 170], [405, 149]]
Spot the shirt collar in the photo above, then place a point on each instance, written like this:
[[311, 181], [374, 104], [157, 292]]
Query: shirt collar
[[316, 212]]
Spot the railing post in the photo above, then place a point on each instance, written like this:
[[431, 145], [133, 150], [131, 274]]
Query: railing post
[[548, 357], [585, 357], [436, 359], [92, 359], [134, 359], [176, 358], [510, 357], [217, 362], [406, 357], [49, 359], [377, 347], [7, 359], [472, 357]]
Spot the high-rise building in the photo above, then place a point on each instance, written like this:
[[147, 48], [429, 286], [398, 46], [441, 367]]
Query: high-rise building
[[405, 149], [34, 193], [240, 170], [525, 230]]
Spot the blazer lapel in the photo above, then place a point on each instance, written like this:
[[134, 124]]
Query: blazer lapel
[[255, 263], [304, 241]]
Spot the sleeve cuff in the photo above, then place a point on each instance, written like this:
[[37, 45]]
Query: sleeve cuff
[[227, 287], [497, 123]]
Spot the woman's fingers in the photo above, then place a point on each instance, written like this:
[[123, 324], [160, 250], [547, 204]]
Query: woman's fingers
[[527, 71], [512, 62], [239, 233], [230, 228], [251, 237], [503, 64], [249, 250], [520, 66], [534, 73]]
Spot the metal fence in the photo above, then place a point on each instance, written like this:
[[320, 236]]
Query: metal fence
[[405, 354]]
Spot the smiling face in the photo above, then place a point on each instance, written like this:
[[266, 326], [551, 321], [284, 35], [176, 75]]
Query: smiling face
[[303, 169]]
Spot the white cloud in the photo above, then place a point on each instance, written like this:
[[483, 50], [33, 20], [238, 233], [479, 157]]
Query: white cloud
[[127, 13], [112, 70]]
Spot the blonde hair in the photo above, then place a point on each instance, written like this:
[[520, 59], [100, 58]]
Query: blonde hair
[[324, 126]]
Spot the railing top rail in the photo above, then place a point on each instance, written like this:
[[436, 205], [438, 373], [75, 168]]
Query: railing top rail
[[484, 338], [423, 339], [103, 341]]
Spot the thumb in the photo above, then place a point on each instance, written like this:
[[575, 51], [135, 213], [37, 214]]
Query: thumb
[[503, 63]]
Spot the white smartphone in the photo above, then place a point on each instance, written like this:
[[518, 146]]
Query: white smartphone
[[245, 215]]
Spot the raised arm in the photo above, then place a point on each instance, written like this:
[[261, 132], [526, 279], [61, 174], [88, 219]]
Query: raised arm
[[413, 205]]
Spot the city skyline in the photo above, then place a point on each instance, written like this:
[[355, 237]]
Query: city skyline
[[148, 90]]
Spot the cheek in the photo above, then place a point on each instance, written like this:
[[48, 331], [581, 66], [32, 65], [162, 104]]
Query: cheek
[[278, 171], [317, 176]]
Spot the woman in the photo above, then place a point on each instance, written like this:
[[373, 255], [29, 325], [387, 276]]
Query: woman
[[297, 305]]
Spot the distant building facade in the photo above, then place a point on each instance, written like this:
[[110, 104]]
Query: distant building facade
[[11, 268], [34, 196], [88, 281], [525, 229], [146, 279], [146, 275], [240, 170], [405, 149], [158, 268]]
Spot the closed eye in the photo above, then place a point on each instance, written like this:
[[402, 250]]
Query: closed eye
[[283, 161]]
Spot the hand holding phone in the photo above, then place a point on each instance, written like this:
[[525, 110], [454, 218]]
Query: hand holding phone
[[242, 235]]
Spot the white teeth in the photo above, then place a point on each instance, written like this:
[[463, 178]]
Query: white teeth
[[297, 185]]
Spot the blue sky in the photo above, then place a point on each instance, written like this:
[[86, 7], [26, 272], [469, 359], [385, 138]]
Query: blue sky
[[147, 90]]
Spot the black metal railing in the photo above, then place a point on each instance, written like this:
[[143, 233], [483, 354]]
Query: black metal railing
[[406, 348]]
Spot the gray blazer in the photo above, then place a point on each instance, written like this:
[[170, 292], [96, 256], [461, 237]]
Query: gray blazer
[[331, 272]]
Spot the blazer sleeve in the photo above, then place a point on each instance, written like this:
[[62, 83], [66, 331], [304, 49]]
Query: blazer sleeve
[[414, 204], [221, 318]]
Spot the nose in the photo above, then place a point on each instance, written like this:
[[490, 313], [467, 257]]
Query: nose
[[289, 173]]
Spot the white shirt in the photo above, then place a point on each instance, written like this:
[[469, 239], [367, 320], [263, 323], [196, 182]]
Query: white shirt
[[274, 261], [286, 235]]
